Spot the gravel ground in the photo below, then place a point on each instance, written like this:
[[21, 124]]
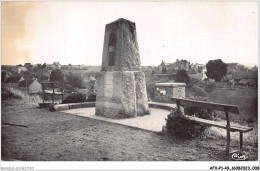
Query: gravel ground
[[57, 136]]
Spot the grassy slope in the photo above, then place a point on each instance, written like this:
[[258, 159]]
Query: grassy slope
[[245, 98]]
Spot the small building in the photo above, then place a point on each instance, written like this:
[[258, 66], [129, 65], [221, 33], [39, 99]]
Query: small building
[[35, 87], [165, 65], [194, 74], [55, 65], [28, 65], [255, 68], [5, 75]]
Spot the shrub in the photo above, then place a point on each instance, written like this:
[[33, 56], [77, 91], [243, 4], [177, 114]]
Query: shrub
[[75, 98], [75, 80], [91, 97], [182, 76], [199, 112], [178, 125], [51, 107], [56, 76], [210, 87], [181, 126]]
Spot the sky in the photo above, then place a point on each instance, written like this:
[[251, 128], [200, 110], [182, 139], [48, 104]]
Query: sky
[[73, 32]]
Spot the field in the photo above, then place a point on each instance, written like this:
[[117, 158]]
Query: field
[[245, 98], [91, 69]]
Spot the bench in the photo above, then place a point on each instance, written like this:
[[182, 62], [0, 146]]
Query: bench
[[219, 107]]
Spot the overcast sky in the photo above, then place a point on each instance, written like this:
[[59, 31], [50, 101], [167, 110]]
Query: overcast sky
[[73, 32]]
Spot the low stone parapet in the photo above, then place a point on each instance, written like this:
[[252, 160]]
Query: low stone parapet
[[59, 107], [165, 91]]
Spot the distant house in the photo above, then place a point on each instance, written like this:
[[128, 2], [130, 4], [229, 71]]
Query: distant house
[[179, 65], [21, 79], [165, 65], [28, 65], [183, 64], [254, 68], [194, 74], [35, 87], [5, 75], [199, 73], [55, 65]]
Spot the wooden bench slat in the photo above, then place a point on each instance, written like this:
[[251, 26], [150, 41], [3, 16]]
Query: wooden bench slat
[[207, 105], [221, 125]]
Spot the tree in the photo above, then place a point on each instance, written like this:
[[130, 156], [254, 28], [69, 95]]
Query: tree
[[27, 75], [182, 76], [56, 75], [216, 69], [75, 81]]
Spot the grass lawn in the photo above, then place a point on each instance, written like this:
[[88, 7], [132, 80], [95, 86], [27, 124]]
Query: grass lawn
[[246, 98]]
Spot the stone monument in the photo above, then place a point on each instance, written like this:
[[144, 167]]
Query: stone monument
[[121, 89]]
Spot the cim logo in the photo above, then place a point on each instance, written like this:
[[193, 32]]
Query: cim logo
[[240, 156]]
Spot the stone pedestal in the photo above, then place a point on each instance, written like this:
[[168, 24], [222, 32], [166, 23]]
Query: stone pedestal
[[121, 94], [164, 91], [121, 89]]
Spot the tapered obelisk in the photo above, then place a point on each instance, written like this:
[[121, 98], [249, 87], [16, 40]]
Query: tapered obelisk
[[121, 89]]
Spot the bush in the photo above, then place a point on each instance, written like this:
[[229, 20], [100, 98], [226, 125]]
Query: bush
[[198, 112], [181, 126], [75, 98], [75, 80], [51, 107], [56, 76], [182, 76], [210, 87], [91, 97], [178, 125]]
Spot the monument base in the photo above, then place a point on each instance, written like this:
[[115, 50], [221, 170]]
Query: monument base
[[121, 94]]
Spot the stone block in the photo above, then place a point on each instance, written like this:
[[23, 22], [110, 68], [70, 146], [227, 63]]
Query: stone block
[[165, 91], [87, 104], [74, 105], [61, 107]]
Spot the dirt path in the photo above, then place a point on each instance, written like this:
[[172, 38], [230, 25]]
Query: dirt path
[[56, 136]]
